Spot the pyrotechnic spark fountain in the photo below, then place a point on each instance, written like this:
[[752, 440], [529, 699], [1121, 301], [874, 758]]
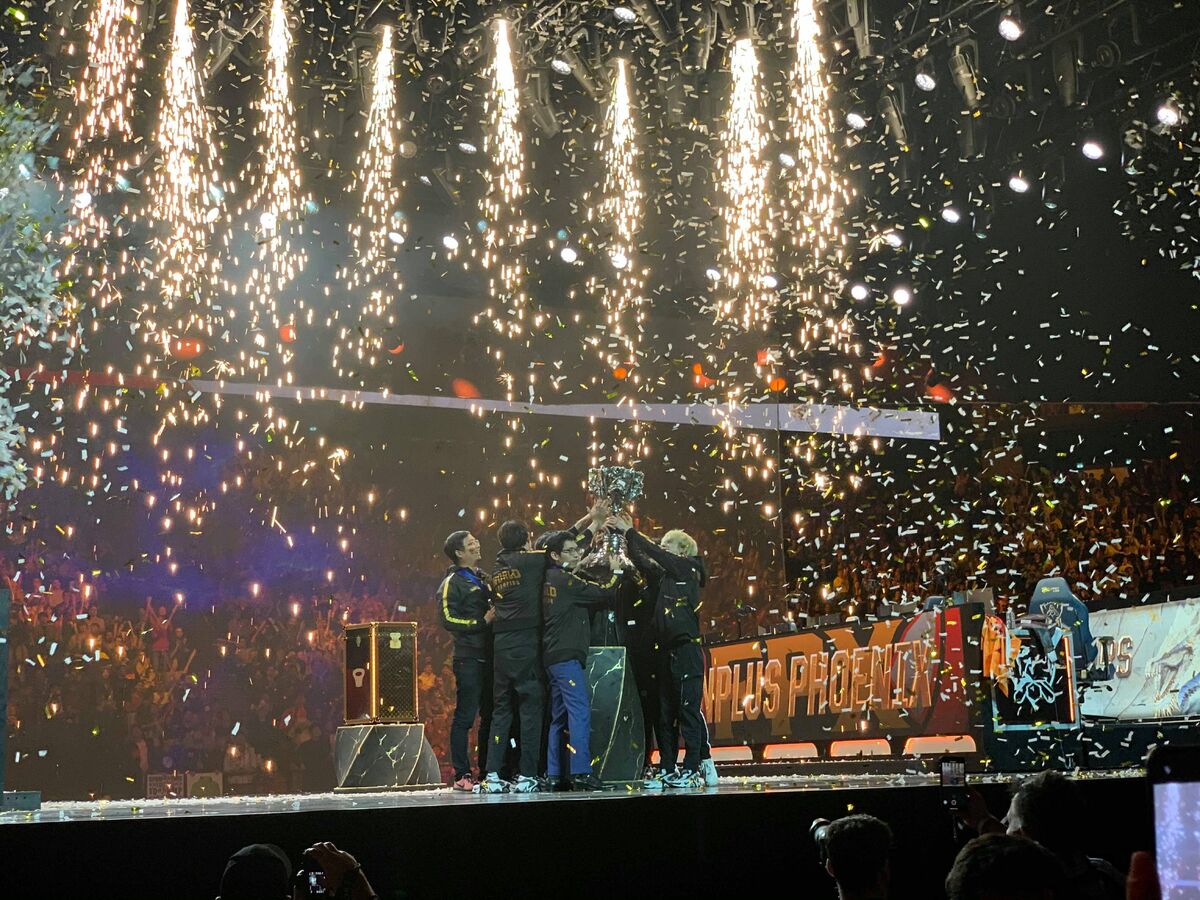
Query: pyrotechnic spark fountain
[[746, 258], [104, 105], [381, 227], [274, 208], [620, 212], [184, 196], [507, 230], [817, 194]]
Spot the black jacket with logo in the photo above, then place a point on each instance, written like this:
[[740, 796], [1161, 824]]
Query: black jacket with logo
[[566, 601], [674, 582], [462, 605], [517, 587]]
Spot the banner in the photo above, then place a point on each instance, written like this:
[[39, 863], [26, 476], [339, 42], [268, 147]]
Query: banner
[[1148, 662], [896, 678]]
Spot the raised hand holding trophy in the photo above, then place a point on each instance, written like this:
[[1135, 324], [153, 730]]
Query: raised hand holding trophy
[[621, 485]]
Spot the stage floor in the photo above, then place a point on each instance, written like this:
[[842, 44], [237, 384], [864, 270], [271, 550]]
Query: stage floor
[[142, 810]]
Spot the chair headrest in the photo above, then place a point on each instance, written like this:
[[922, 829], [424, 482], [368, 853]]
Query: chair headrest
[[1053, 589]]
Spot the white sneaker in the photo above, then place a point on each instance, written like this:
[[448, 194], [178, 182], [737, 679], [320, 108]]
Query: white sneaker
[[708, 771], [526, 785], [492, 785]]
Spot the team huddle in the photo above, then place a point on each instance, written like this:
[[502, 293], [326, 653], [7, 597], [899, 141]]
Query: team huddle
[[521, 637]]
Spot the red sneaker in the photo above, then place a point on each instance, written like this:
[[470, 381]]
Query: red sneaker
[[466, 783]]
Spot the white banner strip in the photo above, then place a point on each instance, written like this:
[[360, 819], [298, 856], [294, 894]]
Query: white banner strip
[[812, 418]]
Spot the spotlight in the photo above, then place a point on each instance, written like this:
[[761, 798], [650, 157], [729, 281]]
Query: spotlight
[[1168, 115], [396, 237], [951, 215], [647, 11], [901, 296], [860, 292], [407, 149], [450, 242], [712, 274], [568, 254], [1017, 183], [770, 282], [618, 259], [893, 239], [541, 108], [924, 78], [962, 70], [624, 14], [1092, 149], [699, 32], [1010, 26], [889, 108], [560, 65], [582, 72], [467, 147], [856, 120], [787, 160], [268, 221], [83, 200]]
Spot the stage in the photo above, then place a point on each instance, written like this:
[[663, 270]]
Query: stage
[[739, 837]]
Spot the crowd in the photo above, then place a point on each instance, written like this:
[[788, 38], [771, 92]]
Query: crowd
[[1111, 532], [105, 690]]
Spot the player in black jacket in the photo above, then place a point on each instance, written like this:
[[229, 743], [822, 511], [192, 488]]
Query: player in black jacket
[[676, 576], [566, 602], [464, 599], [517, 587]]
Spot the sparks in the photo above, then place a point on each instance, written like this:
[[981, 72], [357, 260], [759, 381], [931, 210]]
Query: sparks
[[184, 192], [817, 194], [381, 227], [746, 258], [621, 213], [506, 188], [104, 107], [274, 208]]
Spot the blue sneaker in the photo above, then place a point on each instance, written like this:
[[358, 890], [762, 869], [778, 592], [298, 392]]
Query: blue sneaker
[[708, 771], [683, 779]]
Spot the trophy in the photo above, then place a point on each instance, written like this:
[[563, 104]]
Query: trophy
[[621, 486]]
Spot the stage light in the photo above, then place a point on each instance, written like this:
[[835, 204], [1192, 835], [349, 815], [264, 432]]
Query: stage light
[[893, 239], [467, 147], [860, 291], [889, 108], [1167, 115], [618, 259], [856, 120], [268, 221], [901, 296], [624, 14], [450, 242], [407, 149], [962, 70], [561, 66], [1092, 149], [83, 200], [787, 160], [1018, 184], [582, 72], [568, 254], [951, 215], [712, 274], [1010, 26], [770, 281], [396, 237], [924, 78]]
